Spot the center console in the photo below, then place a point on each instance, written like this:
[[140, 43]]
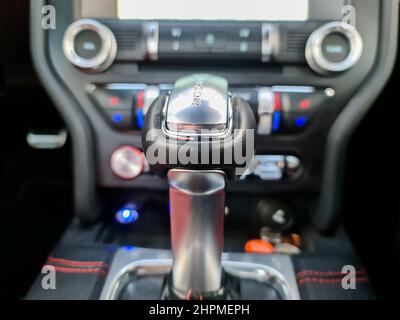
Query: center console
[[296, 72], [308, 69]]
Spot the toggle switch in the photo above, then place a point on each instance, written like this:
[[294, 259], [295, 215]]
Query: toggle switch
[[266, 105]]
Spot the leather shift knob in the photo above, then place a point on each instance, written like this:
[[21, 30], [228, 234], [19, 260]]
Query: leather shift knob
[[180, 131]]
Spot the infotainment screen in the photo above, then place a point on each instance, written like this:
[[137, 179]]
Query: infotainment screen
[[214, 10], [223, 10]]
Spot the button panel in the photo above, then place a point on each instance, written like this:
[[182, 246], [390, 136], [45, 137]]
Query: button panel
[[188, 40], [278, 109], [125, 105], [275, 168], [284, 109], [297, 107]]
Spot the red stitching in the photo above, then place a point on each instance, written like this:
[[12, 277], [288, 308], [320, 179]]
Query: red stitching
[[189, 294], [78, 270], [327, 281], [306, 273], [74, 263]]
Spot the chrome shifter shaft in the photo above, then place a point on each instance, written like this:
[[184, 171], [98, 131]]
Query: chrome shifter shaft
[[197, 200]]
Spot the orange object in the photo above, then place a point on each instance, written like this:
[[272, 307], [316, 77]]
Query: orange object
[[293, 239], [259, 246]]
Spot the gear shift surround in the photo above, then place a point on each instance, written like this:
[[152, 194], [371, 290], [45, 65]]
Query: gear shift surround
[[196, 131]]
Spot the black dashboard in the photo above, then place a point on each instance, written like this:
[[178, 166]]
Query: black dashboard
[[305, 69]]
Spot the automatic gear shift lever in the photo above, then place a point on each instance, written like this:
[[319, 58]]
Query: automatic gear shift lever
[[193, 136]]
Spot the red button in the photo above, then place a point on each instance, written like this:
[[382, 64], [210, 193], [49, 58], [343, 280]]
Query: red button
[[114, 100], [277, 102], [305, 104], [140, 99]]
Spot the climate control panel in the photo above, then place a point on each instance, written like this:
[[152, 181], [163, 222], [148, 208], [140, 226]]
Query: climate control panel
[[93, 45], [278, 109]]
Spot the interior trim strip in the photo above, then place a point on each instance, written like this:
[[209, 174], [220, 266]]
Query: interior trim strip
[[327, 216], [85, 194]]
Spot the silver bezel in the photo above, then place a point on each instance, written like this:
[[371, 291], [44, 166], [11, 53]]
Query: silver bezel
[[108, 51], [269, 41], [152, 39], [192, 136], [315, 56]]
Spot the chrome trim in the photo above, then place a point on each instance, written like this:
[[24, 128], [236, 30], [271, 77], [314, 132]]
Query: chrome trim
[[266, 104], [269, 167], [191, 136], [126, 86], [294, 167], [267, 41], [315, 56], [150, 95], [104, 58], [127, 162], [199, 94], [152, 34], [144, 268], [330, 92], [47, 141], [293, 163], [293, 89], [274, 269]]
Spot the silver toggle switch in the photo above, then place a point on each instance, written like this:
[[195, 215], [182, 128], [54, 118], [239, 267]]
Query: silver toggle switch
[[265, 111]]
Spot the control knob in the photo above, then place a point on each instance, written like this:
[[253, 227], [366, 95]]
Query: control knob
[[334, 47], [90, 45]]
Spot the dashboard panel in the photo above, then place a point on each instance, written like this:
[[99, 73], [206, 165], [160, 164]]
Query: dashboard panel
[[297, 65]]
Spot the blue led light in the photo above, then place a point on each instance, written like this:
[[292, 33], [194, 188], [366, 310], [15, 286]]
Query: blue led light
[[300, 121], [118, 117], [129, 248], [276, 122], [127, 216], [139, 118]]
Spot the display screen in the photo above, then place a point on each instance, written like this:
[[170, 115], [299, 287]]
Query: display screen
[[218, 10]]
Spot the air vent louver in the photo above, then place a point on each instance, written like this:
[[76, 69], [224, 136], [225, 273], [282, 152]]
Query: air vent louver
[[126, 39], [296, 41]]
